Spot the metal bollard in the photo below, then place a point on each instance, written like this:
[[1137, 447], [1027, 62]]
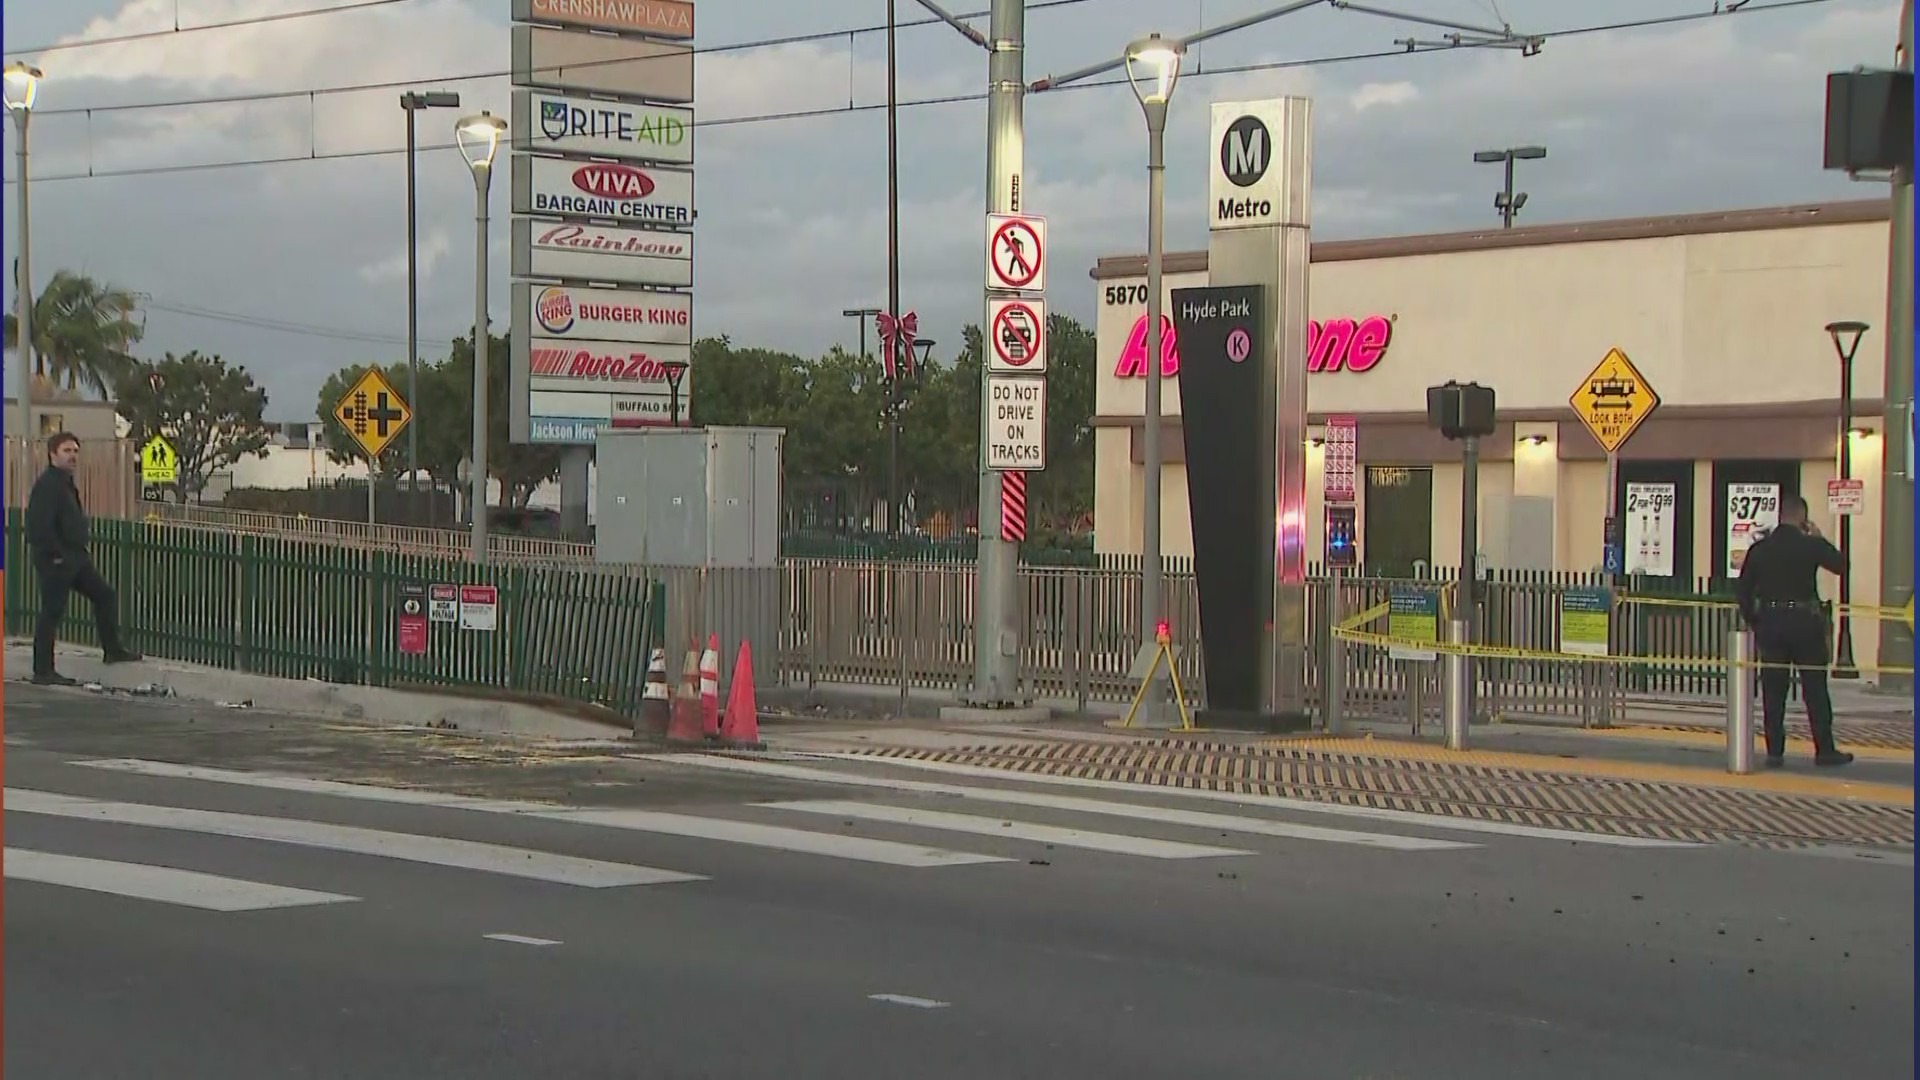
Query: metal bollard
[[1334, 683], [1740, 702], [1455, 674]]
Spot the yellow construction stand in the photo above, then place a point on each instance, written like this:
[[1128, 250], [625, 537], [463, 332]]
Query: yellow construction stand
[[1163, 640]]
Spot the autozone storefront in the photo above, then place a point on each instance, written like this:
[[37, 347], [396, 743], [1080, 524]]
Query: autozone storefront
[[1723, 314]]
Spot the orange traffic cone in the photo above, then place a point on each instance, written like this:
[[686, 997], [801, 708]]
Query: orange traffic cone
[[685, 725], [742, 728], [656, 707], [710, 687]]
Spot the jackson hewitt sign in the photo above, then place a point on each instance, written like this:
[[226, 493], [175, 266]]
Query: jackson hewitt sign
[[655, 18]]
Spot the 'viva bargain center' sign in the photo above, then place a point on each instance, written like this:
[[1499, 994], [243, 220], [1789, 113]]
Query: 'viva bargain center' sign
[[1333, 345]]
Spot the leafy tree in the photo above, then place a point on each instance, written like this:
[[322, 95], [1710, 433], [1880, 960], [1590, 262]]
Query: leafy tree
[[82, 331], [518, 469], [213, 414]]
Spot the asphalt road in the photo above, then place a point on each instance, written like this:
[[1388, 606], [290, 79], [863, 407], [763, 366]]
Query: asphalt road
[[658, 923]]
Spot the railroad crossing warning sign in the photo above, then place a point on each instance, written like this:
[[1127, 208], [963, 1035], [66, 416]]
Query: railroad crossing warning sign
[[159, 464], [373, 412], [1019, 337], [1016, 253], [1614, 400]]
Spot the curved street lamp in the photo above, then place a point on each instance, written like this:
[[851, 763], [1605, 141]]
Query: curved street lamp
[[479, 138], [1153, 70], [21, 86], [1846, 336]]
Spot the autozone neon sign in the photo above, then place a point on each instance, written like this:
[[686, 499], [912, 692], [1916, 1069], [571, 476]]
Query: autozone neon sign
[[1333, 345]]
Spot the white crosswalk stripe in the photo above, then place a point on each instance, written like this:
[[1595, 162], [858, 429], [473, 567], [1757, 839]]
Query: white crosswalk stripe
[[892, 808], [410, 847], [162, 884]]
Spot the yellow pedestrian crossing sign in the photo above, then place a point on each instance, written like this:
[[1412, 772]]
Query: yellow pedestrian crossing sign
[[159, 464], [373, 412]]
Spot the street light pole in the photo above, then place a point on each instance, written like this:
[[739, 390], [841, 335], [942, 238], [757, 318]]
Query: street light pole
[[22, 86], [1846, 341], [1153, 69], [479, 138], [1508, 202], [410, 103]]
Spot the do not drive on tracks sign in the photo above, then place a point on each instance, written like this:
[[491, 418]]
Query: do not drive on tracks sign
[[1016, 253], [1019, 337], [1016, 424]]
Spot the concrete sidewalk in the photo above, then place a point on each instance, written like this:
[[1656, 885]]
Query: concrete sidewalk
[[312, 697]]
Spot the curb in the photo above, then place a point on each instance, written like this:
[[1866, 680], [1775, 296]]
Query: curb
[[314, 698]]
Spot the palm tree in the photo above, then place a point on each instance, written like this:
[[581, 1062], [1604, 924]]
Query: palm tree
[[82, 331]]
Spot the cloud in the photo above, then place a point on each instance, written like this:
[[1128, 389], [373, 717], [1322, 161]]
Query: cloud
[[793, 223]]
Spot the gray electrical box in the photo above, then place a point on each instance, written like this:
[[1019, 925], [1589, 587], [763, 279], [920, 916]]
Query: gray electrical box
[[703, 497]]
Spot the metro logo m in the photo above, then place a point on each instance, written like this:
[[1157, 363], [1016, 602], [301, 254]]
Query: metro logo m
[[1246, 152]]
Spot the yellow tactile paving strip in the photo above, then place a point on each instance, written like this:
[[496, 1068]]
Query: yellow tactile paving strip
[[1700, 736], [1785, 783], [1514, 788]]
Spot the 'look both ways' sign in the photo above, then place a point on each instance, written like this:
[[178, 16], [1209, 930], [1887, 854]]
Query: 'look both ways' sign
[[1220, 329]]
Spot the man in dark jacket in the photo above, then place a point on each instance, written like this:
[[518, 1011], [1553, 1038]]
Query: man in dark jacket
[[1780, 600], [57, 532]]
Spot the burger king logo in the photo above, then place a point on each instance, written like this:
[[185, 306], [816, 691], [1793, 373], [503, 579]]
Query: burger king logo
[[554, 309]]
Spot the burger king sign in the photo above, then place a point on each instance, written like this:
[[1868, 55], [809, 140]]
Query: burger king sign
[[636, 316]]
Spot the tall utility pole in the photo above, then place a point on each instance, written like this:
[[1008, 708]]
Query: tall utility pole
[[895, 370], [996, 637], [1896, 476], [412, 102]]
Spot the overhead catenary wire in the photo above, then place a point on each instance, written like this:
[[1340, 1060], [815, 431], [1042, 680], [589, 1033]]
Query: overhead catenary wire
[[475, 76], [226, 24], [789, 116]]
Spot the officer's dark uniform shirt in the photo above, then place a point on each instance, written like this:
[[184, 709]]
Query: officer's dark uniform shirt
[[1783, 568]]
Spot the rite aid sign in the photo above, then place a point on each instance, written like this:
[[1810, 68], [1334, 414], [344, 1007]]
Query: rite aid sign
[[562, 124], [629, 194], [631, 316]]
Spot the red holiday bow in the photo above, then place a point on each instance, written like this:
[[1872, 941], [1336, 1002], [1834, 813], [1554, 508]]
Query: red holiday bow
[[892, 330]]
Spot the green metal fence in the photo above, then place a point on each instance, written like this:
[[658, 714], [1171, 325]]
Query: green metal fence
[[304, 609]]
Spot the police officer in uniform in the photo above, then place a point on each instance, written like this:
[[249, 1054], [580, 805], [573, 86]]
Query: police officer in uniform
[[1780, 600]]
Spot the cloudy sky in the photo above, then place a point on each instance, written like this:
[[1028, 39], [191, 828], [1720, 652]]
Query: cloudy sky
[[297, 268]]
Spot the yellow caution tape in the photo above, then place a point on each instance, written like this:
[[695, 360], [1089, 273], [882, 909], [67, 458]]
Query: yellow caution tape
[[1865, 611], [1508, 652], [1363, 618]]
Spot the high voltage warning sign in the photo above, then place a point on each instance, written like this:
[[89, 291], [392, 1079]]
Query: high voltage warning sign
[[1614, 400], [1019, 335]]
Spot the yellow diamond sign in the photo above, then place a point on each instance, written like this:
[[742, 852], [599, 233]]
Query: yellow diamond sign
[[159, 464], [1614, 400], [373, 412]]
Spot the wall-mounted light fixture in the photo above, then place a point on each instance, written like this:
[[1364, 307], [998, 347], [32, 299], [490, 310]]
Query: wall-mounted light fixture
[[1535, 440]]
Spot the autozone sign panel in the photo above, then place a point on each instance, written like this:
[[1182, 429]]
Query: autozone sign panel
[[562, 124], [609, 253], [629, 194], [599, 64], [605, 366], [654, 18], [631, 316]]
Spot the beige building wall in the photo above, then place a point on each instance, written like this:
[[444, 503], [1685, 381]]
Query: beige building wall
[[1717, 322]]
